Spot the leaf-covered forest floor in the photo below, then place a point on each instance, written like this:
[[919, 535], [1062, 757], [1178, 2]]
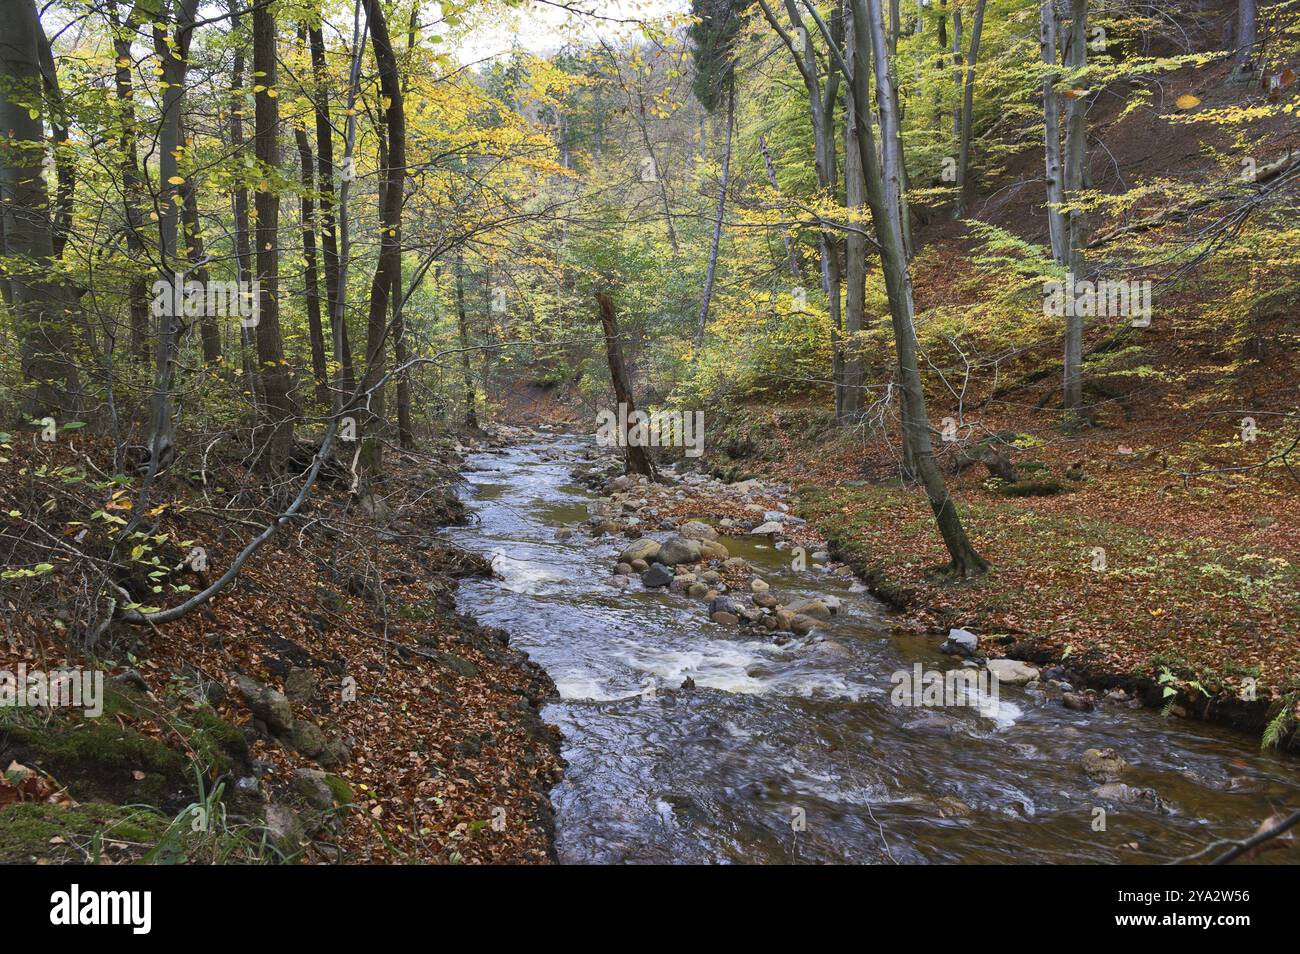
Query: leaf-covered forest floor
[[423, 730]]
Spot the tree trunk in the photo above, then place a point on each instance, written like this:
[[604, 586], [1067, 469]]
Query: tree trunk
[[1052, 132], [637, 457], [968, 109], [311, 283], [1076, 159], [388, 268], [1246, 35], [401, 350], [278, 409], [172, 50], [471, 418], [792, 258], [41, 306], [239, 209], [857, 50], [965, 561], [717, 218], [328, 235], [133, 197], [194, 255]]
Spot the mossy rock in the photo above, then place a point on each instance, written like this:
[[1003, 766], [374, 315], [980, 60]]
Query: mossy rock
[[40, 831], [1033, 488], [96, 760], [219, 747]]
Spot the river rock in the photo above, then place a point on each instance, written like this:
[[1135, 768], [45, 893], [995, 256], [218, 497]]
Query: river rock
[[624, 569], [643, 549], [697, 590], [640, 566], [764, 529], [960, 642], [697, 530], [1078, 701], [814, 608], [711, 576], [758, 586], [831, 649], [783, 619], [677, 550], [766, 600], [802, 625], [712, 550], [1130, 794], [724, 604], [1012, 672], [728, 619], [1103, 765], [735, 563], [657, 575]]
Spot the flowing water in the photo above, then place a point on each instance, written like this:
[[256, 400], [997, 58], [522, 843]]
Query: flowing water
[[795, 753]]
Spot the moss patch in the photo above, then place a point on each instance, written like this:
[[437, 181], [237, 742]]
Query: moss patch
[[39, 831]]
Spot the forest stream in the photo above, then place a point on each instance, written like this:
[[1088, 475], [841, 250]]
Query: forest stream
[[792, 753]]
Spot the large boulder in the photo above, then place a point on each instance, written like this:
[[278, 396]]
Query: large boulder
[[1012, 672], [643, 549], [677, 550]]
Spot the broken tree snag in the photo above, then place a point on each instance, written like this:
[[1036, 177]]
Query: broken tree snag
[[637, 458]]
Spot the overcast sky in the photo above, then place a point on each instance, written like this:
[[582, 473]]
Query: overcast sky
[[544, 27]]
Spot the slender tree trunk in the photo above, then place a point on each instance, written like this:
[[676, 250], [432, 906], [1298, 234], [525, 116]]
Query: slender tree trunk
[[401, 350], [898, 286], [821, 111], [658, 173], [278, 410], [1246, 35], [171, 46], [1076, 159], [328, 233], [717, 218], [471, 417], [194, 254], [239, 209], [857, 50], [133, 198], [41, 306], [792, 259], [388, 268], [311, 283], [637, 457], [1052, 132], [968, 109]]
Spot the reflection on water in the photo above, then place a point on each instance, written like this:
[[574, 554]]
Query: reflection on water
[[795, 753]]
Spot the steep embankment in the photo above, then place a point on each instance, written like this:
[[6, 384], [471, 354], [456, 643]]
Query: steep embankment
[[328, 706]]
